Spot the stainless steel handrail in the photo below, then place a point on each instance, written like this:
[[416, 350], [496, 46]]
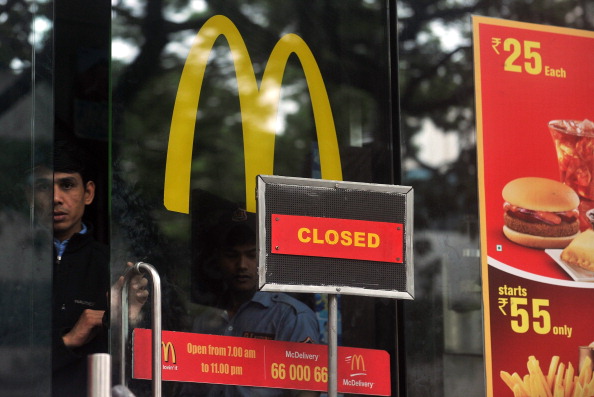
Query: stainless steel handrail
[[156, 322]]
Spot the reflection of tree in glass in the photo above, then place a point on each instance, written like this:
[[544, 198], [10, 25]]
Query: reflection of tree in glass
[[436, 83], [343, 51], [436, 88]]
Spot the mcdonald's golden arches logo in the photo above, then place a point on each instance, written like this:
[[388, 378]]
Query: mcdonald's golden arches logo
[[167, 349], [358, 363], [258, 105]]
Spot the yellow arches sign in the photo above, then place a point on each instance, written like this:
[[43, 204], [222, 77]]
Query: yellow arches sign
[[167, 349], [259, 108]]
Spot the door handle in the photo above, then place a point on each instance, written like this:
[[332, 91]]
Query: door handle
[[156, 321]]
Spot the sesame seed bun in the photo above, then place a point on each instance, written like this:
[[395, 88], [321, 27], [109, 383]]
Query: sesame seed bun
[[540, 213], [540, 194]]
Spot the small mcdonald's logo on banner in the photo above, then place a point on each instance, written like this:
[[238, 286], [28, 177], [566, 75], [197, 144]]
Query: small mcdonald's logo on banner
[[357, 363], [169, 353]]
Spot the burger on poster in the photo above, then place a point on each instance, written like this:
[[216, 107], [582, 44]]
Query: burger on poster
[[540, 213]]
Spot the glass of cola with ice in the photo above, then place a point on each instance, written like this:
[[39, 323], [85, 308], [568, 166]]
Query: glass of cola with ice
[[574, 141]]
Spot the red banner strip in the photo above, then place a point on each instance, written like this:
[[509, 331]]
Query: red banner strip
[[200, 358]]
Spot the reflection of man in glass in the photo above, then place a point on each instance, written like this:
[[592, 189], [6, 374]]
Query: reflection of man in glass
[[241, 310], [63, 190]]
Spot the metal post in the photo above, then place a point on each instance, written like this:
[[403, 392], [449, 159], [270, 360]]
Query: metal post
[[332, 345], [99, 381], [155, 324]]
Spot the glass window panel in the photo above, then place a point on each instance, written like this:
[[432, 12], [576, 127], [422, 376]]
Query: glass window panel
[[150, 43], [443, 326], [26, 117]]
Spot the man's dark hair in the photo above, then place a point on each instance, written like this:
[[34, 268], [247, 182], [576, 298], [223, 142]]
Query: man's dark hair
[[237, 227], [240, 234], [71, 158]]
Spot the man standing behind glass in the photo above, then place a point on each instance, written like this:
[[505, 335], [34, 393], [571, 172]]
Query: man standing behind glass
[[81, 269], [241, 310]]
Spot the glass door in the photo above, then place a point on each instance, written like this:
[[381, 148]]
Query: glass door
[[165, 194], [205, 96]]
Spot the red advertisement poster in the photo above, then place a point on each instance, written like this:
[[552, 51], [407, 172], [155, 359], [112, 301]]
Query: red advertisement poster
[[199, 358], [535, 138]]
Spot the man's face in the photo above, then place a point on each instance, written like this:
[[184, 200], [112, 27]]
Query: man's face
[[71, 196], [239, 265]]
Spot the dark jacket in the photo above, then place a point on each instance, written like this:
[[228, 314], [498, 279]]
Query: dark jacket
[[81, 281]]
